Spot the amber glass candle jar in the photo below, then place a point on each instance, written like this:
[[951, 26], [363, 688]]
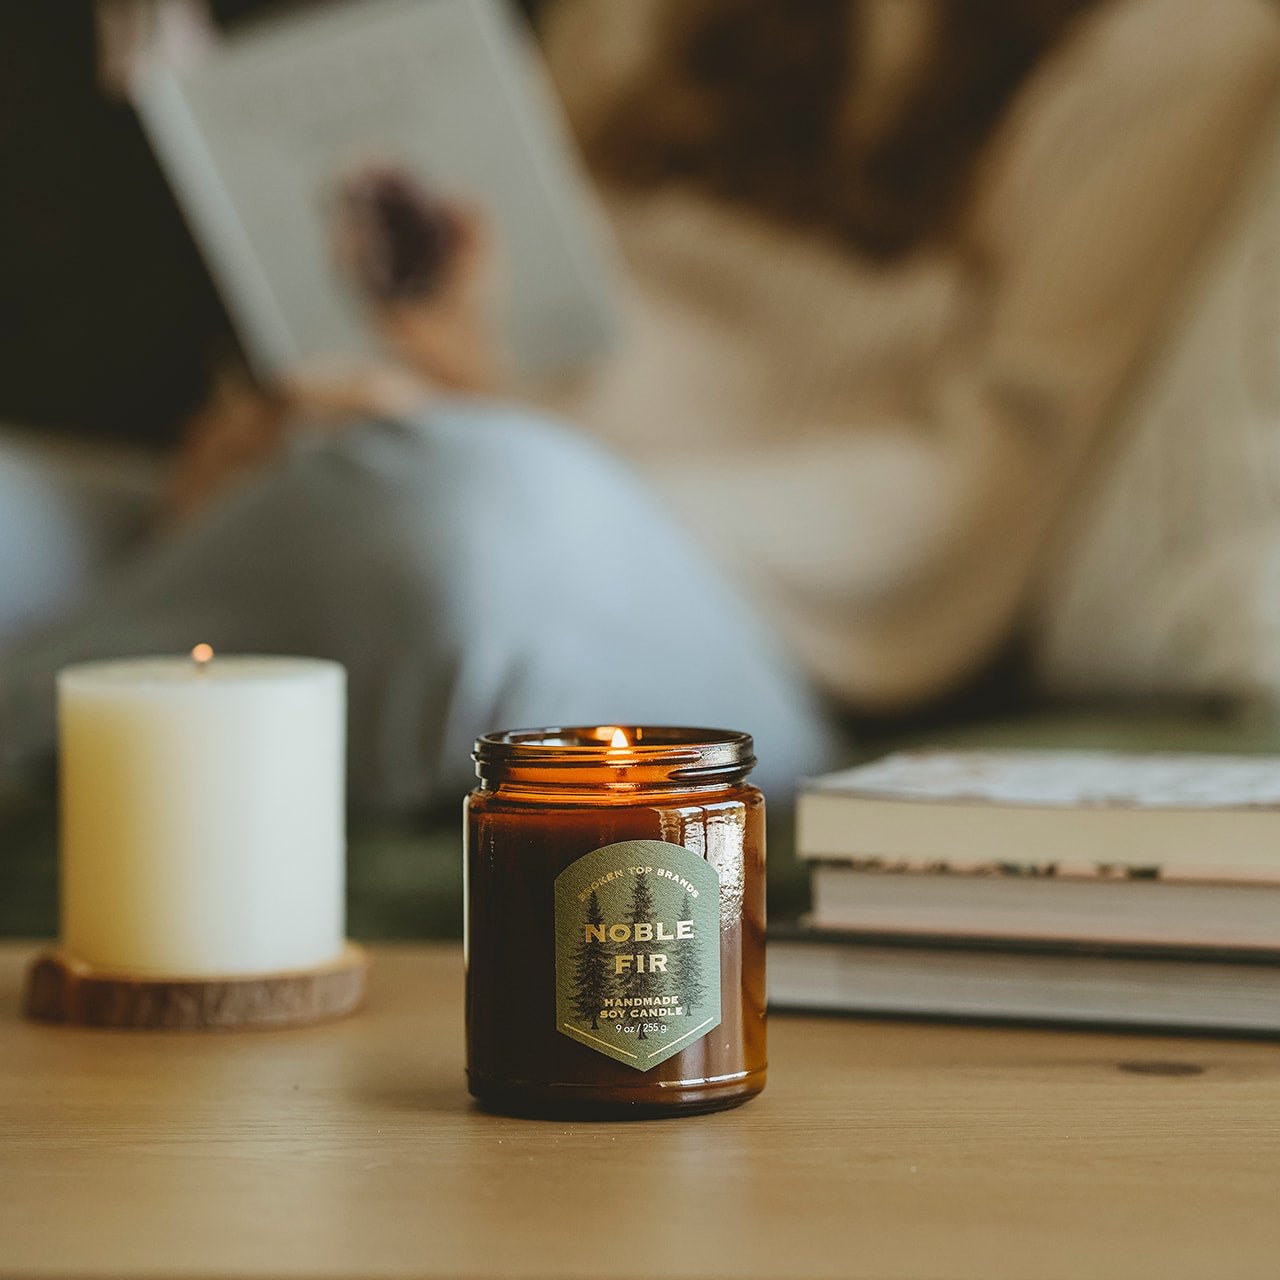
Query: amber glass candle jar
[[615, 921]]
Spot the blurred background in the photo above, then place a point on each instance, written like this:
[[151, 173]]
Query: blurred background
[[947, 331]]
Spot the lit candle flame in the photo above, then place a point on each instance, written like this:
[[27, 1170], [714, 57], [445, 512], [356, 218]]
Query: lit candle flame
[[202, 655], [618, 741]]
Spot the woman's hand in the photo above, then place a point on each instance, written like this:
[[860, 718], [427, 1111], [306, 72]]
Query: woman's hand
[[425, 267], [242, 429], [238, 430]]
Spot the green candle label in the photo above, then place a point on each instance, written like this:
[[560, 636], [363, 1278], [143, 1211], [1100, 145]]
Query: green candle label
[[638, 951]]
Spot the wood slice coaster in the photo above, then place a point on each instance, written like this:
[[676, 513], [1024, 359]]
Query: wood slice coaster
[[61, 988]]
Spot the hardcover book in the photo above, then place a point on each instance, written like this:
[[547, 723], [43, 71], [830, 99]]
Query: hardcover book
[[1017, 904], [1234, 991], [1061, 813]]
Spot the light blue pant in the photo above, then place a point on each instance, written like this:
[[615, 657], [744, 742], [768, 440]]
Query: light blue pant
[[475, 569]]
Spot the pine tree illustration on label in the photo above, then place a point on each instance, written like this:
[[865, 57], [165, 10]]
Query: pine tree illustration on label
[[638, 951]]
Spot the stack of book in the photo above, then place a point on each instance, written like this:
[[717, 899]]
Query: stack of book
[[1061, 887]]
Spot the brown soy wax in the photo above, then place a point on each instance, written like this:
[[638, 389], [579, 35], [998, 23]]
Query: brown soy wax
[[615, 922]]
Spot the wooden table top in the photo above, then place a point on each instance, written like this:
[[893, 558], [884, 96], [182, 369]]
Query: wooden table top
[[878, 1150]]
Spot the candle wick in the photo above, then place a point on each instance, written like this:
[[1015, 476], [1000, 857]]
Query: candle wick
[[202, 656]]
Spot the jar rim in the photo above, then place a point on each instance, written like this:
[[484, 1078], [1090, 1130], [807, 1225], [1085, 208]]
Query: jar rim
[[670, 754]]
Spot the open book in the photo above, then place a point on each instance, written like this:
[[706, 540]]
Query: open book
[[254, 138]]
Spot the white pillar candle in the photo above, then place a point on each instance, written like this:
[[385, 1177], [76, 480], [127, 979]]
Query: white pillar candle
[[203, 814]]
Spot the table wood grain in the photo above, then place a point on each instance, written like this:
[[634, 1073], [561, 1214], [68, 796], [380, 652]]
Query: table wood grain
[[878, 1150]]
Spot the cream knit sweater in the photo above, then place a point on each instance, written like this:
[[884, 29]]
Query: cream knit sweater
[[881, 457], [1166, 578]]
